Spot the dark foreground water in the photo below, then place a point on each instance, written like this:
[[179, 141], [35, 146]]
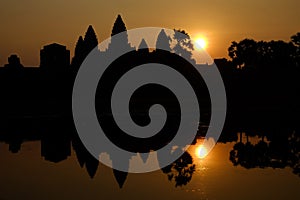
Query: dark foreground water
[[249, 168]]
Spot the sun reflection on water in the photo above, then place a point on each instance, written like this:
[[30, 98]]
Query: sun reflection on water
[[201, 151], [203, 147]]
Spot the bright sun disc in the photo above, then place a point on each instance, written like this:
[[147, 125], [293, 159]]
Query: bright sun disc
[[200, 43], [201, 151]]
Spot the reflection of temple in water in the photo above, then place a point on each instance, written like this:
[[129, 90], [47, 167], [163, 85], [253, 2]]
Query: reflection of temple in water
[[55, 148], [250, 150]]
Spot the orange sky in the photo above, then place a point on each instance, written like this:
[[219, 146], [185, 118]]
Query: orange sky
[[28, 25]]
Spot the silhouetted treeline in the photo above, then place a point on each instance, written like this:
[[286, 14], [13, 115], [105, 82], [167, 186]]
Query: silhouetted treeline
[[262, 81]]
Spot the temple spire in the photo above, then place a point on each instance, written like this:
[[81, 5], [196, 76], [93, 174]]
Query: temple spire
[[119, 26]]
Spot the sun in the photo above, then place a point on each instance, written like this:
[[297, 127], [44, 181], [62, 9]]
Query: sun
[[200, 43], [201, 151]]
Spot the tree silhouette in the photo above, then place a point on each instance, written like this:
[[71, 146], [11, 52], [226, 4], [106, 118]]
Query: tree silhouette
[[184, 45], [249, 54], [243, 54], [281, 151], [281, 54], [296, 41], [181, 171]]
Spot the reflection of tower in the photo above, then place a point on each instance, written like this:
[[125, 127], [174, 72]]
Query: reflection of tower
[[15, 141], [55, 148], [120, 177], [85, 158], [123, 163], [91, 164], [54, 56]]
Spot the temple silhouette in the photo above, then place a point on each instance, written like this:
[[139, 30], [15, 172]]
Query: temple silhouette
[[261, 80], [13, 62], [54, 56], [38, 100]]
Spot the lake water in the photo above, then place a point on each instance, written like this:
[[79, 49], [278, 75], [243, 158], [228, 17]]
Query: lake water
[[36, 170]]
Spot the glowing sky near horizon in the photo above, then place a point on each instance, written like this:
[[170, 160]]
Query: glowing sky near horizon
[[28, 25]]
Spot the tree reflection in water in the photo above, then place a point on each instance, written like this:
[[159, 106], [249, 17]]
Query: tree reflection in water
[[181, 171], [281, 150]]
